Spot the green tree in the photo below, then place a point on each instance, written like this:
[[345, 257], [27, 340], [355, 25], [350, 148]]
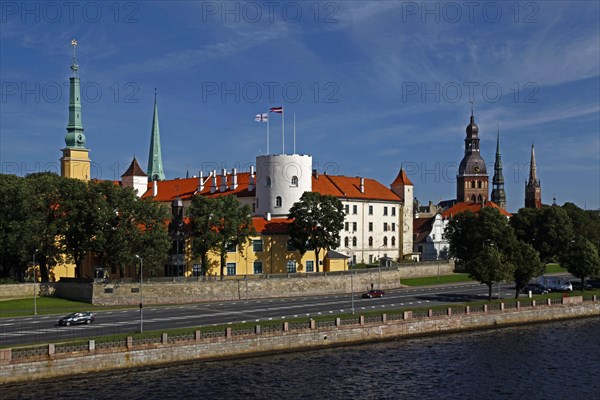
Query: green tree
[[527, 264], [152, 240], [203, 228], [586, 223], [16, 243], [581, 259], [316, 223]]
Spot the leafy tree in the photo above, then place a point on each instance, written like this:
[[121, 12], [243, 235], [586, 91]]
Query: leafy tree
[[16, 244], [482, 244], [581, 259], [152, 240], [527, 264], [203, 228], [316, 223], [586, 223]]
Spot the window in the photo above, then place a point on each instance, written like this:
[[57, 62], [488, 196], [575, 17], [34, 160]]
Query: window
[[290, 245], [370, 241], [346, 241], [258, 267], [393, 211], [310, 266], [393, 241], [268, 181], [253, 207], [385, 227], [354, 241], [346, 226], [385, 211], [278, 201], [393, 226], [230, 268], [257, 245], [295, 181], [347, 208], [370, 227], [291, 266], [370, 210], [354, 209], [231, 248], [385, 240], [354, 226]]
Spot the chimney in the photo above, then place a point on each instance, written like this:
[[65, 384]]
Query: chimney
[[251, 182], [155, 188], [200, 182], [316, 173], [362, 185], [234, 183], [223, 186], [213, 187], [268, 216]]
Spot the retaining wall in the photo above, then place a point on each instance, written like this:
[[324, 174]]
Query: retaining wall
[[129, 354]]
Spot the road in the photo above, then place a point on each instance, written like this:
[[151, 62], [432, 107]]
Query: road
[[44, 329]]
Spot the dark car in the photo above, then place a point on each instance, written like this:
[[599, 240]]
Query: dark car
[[77, 318], [536, 288], [373, 293], [577, 285], [594, 282]]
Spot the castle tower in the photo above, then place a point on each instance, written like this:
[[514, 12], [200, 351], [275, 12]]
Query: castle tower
[[533, 188], [75, 162], [472, 178], [403, 187], [155, 164], [498, 194], [135, 178]]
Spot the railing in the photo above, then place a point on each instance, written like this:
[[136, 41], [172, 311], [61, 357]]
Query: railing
[[275, 328]]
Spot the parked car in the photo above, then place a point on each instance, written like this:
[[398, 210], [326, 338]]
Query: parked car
[[77, 318], [595, 283], [373, 293], [577, 285], [536, 288], [556, 284]]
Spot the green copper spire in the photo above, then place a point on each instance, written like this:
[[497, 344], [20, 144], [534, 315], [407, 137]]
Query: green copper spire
[[498, 193], [75, 137], [155, 167]]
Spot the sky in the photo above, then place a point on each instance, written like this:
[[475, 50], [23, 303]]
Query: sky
[[373, 85]]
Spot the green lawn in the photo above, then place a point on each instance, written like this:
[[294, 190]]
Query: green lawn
[[554, 268], [434, 280], [45, 305]]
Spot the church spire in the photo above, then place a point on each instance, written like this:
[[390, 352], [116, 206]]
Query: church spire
[[498, 193], [74, 137], [533, 189], [155, 166]]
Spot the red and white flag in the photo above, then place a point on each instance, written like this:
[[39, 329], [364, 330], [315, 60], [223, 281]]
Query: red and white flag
[[261, 117], [278, 110]]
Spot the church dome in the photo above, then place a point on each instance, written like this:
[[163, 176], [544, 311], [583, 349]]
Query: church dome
[[472, 164], [472, 128]]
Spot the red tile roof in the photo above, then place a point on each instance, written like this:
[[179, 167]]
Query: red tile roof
[[402, 179], [134, 170], [422, 228], [349, 188], [473, 207], [273, 227]]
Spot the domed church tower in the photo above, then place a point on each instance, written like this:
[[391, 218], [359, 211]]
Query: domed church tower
[[472, 178]]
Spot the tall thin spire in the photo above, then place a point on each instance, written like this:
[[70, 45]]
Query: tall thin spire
[[74, 137], [155, 165], [498, 193], [532, 168], [533, 188]]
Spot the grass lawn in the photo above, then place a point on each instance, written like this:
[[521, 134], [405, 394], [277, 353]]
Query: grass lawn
[[434, 280], [554, 268], [45, 305]]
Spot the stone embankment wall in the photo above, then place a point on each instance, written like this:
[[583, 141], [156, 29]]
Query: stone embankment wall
[[25, 290], [130, 354]]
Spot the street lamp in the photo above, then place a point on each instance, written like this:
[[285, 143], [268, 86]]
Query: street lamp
[[351, 277], [141, 295], [34, 285]]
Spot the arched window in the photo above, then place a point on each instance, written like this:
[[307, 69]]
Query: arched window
[[473, 199], [370, 241], [472, 184], [295, 181], [479, 184], [278, 201], [393, 241], [346, 241], [480, 199], [268, 181], [385, 240], [354, 241]]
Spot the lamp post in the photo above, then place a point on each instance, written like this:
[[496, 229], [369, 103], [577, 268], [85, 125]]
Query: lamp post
[[351, 277], [141, 294], [34, 285]]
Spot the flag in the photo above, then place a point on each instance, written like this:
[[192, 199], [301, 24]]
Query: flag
[[261, 117], [278, 110]]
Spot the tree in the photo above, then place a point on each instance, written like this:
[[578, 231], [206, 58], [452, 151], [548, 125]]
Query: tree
[[527, 264], [152, 240], [16, 243], [203, 228], [316, 223], [482, 244], [581, 259], [586, 223]]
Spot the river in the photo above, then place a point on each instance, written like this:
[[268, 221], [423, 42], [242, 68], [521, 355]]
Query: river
[[556, 360]]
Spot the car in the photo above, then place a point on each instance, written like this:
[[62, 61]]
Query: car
[[577, 285], [536, 288], [77, 318], [594, 282], [373, 293], [556, 284]]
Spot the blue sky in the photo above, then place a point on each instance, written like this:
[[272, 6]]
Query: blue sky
[[373, 85]]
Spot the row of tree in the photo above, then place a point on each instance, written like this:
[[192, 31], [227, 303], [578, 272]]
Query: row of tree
[[493, 249], [58, 220]]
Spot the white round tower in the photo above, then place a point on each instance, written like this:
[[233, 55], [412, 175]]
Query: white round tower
[[281, 179]]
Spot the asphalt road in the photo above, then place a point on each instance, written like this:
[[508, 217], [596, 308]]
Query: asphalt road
[[44, 328]]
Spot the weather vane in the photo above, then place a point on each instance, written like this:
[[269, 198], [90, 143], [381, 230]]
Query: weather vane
[[74, 66]]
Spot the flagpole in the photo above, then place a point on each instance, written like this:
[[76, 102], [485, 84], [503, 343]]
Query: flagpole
[[294, 133], [268, 118], [283, 130]]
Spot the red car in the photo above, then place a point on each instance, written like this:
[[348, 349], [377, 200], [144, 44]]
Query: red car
[[373, 293]]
